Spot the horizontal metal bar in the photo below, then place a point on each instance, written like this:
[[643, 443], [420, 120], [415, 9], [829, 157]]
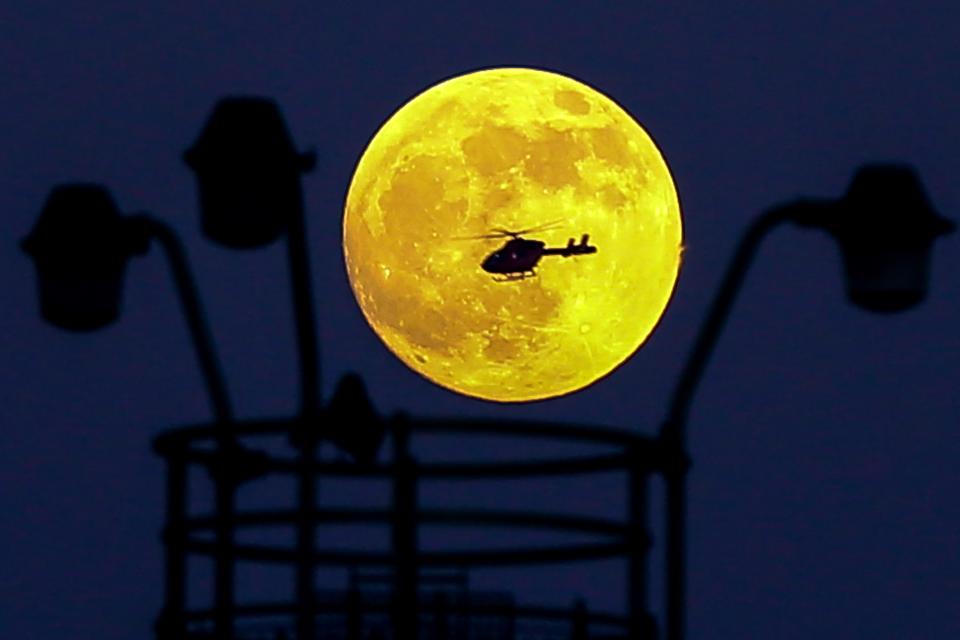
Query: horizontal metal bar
[[443, 470], [533, 468], [519, 612], [447, 517], [180, 437], [525, 428], [557, 554]]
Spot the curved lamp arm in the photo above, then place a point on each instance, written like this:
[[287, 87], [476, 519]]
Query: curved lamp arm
[[80, 246], [885, 227], [674, 425], [150, 228], [144, 227]]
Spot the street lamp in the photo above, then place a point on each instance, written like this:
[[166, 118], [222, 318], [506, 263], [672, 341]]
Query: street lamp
[[885, 227], [248, 174], [80, 246], [248, 178]]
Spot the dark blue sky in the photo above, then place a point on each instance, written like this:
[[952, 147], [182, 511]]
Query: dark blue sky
[[825, 439]]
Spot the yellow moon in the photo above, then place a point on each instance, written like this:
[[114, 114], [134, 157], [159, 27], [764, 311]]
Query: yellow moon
[[512, 149]]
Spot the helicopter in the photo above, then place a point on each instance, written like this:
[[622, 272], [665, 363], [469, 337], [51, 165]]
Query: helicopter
[[518, 257]]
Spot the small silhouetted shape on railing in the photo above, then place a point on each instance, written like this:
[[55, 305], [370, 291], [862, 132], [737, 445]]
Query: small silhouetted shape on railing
[[80, 246], [351, 422], [248, 173]]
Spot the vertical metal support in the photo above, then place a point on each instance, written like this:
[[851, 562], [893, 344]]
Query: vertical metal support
[[676, 547], [223, 585], [298, 258], [354, 612], [673, 436], [511, 630], [307, 351], [638, 614], [171, 625], [192, 310], [306, 539], [405, 610], [579, 621], [224, 484], [441, 616], [221, 473]]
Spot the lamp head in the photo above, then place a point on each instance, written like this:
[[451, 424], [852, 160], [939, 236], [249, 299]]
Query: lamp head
[[885, 227], [80, 246], [248, 173]]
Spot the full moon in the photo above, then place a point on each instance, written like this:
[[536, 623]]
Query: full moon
[[509, 150]]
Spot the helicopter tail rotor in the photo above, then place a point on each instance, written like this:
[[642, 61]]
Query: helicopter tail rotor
[[574, 248]]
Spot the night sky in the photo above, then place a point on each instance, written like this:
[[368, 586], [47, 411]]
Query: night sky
[[824, 438]]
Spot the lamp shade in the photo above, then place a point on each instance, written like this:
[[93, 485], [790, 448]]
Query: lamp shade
[[248, 173], [885, 227], [80, 246], [886, 235]]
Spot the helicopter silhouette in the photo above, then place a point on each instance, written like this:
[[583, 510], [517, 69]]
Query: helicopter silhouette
[[518, 257]]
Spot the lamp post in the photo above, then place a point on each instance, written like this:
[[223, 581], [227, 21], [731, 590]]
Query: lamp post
[[248, 178], [81, 245], [885, 228], [248, 173]]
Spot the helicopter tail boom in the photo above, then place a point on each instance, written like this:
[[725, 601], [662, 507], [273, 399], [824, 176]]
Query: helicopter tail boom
[[572, 248]]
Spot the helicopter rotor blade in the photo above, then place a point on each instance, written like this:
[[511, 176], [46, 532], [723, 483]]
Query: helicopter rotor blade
[[485, 236], [540, 227], [500, 232]]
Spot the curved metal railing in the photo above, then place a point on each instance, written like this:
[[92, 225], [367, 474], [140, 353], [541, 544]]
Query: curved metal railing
[[405, 611]]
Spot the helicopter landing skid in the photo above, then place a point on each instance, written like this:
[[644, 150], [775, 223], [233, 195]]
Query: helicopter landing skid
[[513, 277]]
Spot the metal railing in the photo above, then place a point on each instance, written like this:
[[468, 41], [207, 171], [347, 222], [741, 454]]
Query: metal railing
[[403, 609]]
